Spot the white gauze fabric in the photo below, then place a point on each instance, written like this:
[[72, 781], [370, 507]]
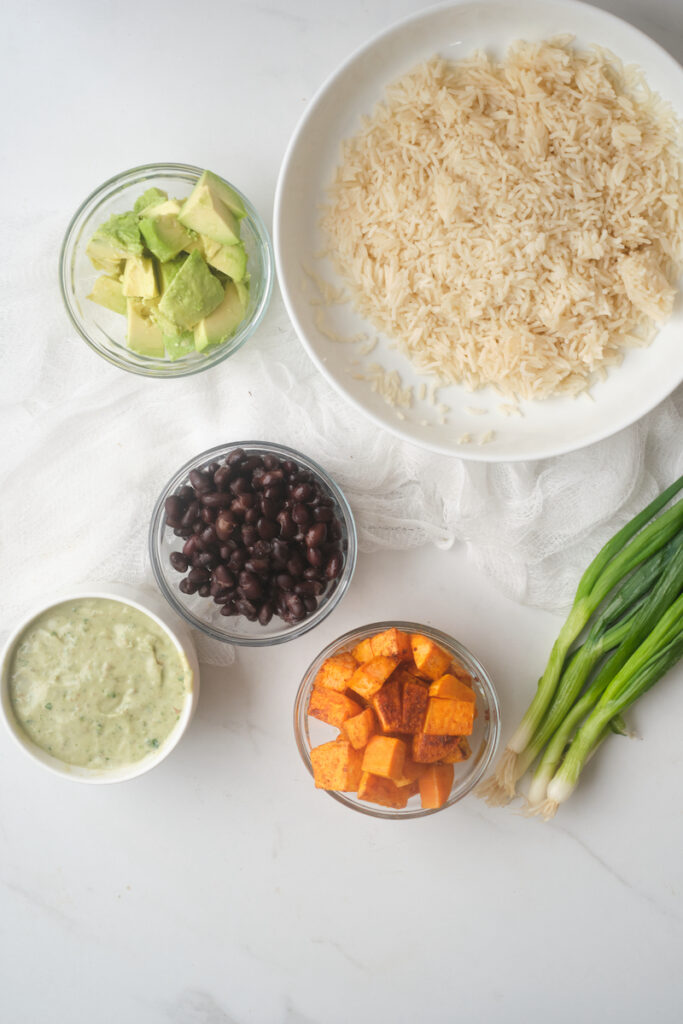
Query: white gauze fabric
[[87, 448]]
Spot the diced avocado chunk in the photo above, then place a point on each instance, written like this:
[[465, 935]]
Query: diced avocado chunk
[[229, 259], [193, 293], [179, 346], [151, 197], [144, 335], [206, 213], [164, 234], [115, 240], [108, 292], [231, 199], [224, 320], [139, 280], [168, 270]]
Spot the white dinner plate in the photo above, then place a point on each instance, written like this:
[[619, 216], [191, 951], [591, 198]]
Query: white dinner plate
[[548, 427]]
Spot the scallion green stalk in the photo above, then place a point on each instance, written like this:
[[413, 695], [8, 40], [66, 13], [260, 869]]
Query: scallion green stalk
[[662, 649], [648, 615], [615, 560]]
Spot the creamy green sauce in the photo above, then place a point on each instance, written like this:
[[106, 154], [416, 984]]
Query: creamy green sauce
[[97, 683]]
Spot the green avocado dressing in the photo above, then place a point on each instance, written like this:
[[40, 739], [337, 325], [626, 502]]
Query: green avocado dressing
[[97, 683]]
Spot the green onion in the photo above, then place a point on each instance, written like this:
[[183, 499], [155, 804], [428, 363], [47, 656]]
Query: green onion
[[645, 667], [628, 549], [666, 590]]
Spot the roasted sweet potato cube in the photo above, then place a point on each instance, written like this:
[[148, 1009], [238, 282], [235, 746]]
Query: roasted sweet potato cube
[[372, 675], [461, 752], [410, 773], [384, 755], [332, 707], [363, 651], [393, 643], [337, 765], [388, 705], [415, 700], [360, 728], [430, 749], [335, 673], [451, 687], [446, 717], [430, 659], [436, 782], [377, 790]]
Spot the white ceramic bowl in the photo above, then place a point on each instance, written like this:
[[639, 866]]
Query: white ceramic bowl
[[454, 30], [179, 635]]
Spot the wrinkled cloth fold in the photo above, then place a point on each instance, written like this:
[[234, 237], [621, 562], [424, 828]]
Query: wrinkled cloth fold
[[87, 448]]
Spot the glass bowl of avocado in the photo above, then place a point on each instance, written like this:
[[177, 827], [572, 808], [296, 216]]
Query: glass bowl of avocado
[[166, 270]]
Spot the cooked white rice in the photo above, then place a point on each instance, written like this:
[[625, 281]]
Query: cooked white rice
[[517, 223]]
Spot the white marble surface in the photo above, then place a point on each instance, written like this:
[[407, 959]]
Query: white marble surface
[[221, 888]]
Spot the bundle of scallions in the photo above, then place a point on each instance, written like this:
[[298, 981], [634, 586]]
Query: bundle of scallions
[[623, 633]]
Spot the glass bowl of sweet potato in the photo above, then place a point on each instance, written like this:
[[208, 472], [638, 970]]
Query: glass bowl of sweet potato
[[396, 720]]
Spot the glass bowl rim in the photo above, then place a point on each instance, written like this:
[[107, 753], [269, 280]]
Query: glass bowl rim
[[267, 447], [468, 783], [172, 369]]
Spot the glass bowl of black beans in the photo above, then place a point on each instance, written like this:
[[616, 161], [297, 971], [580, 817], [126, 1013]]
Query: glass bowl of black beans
[[252, 543]]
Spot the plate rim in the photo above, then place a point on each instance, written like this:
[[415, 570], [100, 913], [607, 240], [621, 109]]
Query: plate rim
[[479, 454]]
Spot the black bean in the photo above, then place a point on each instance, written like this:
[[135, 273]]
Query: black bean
[[246, 608], [265, 613], [222, 478], [205, 560], [209, 536], [251, 463], [270, 508], [288, 527], [204, 590], [237, 559], [187, 587], [208, 515], [305, 589], [251, 516], [245, 500], [190, 514], [249, 535], [200, 481], [302, 492], [225, 525], [280, 550], [240, 486], [198, 576], [223, 576], [190, 546], [262, 548], [284, 581], [175, 508], [296, 565], [197, 525], [334, 565], [236, 455], [187, 494], [315, 557], [300, 514], [258, 565], [267, 529], [323, 514], [225, 550], [178, 561], [310, 604], [335, 530], [316, 535], [294, 604], [271, 462]]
